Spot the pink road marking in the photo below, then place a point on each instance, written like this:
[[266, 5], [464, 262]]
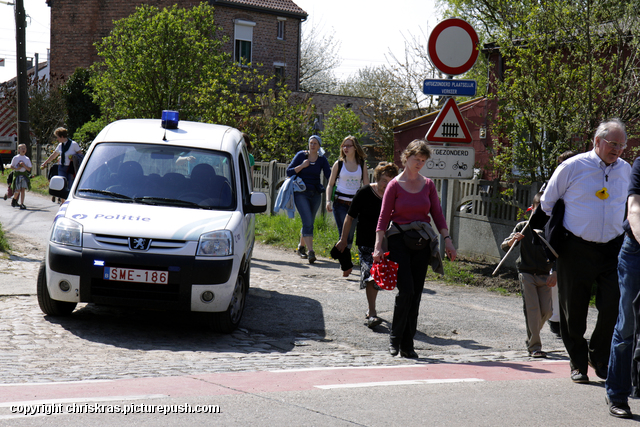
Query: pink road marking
[[281, 381]]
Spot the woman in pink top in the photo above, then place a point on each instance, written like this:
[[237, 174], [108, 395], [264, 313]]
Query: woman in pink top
[[408, 201]]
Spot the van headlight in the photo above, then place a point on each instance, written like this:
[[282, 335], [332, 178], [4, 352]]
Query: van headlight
[[215, 243], [67, 232]]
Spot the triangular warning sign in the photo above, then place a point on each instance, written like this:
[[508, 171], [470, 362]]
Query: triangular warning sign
[[449, 126]]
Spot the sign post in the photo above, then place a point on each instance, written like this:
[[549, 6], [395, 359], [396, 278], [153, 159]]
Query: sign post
[[453, 50]]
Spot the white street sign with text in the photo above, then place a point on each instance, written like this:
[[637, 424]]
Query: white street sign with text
[[450, 162]]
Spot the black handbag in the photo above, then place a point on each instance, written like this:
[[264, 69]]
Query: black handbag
[[413, 239]]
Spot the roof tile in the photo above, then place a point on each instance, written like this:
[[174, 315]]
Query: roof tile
[[280, 5]]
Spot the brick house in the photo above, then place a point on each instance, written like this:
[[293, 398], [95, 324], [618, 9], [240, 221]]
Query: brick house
[[262, 31]]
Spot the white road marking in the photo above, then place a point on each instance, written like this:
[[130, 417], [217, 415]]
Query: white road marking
[[395, 383]]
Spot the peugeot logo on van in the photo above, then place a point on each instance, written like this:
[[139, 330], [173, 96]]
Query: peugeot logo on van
[[139, 244]]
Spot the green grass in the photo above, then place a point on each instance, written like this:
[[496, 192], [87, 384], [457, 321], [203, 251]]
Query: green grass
[[4, 245], [279, 230], [39, 184]]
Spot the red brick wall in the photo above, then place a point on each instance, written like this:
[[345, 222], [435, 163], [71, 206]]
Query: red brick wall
[[77, 24]]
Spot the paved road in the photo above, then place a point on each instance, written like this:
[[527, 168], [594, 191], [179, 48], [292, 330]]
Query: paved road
[[298, 317]]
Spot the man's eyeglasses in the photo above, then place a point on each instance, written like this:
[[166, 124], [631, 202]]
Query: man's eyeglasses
[[616, 145]]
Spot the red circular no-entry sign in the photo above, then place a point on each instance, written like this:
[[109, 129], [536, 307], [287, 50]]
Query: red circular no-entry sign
[[453, 46]]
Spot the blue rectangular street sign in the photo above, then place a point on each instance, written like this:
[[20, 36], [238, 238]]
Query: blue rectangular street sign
[[449, 87]]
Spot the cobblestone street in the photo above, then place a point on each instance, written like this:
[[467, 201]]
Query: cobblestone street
[[297, 316]]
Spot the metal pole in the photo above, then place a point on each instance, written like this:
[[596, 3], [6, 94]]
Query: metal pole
[[443, 195], [21, 78]]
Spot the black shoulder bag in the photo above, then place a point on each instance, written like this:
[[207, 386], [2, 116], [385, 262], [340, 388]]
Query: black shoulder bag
[[413, 239]]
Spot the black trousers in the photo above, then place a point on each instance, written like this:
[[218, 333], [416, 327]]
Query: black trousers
[[581, 263], [412, 271]]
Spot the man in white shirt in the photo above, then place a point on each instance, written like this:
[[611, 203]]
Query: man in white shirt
[[594, 187]]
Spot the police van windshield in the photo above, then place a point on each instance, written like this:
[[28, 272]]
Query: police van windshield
[[159, 174]]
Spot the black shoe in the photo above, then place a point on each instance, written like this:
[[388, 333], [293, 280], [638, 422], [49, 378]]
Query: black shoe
[[555, 327], [14, 203], [394, 349], [618, 409], [411, 354], [23, 207], [302, 251], [312, 257], [600, 368], [579, 377]]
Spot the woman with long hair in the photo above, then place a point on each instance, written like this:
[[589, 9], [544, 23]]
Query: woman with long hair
[[348, 174], [365, 208]]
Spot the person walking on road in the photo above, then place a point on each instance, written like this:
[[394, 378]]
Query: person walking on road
[[536, 282], [365, 207], [21, 166], [594, 187], [554, 321], [406, 205], [308, 165], [66, 149], [348, 174], [618, 384]]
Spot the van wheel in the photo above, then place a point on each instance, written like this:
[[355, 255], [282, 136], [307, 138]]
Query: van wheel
[[227, 321], [47, 305]]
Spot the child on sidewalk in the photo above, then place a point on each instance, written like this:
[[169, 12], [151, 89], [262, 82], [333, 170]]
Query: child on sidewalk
[[22, 168], [536, 281]]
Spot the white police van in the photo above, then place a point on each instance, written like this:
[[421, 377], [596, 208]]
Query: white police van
[[161, 215]]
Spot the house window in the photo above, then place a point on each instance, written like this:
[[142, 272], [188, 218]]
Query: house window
[[279, 71], [280, 33], [243, 40]]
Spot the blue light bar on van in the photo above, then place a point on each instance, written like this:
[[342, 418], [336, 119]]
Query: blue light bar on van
[[170, 119]]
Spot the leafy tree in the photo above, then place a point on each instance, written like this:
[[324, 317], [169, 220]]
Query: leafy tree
[[85, 135], [387, 104], [78, 96], [47, 111], [172, 59], [282, 127], [339, 123], [567, 66], [318, 60], [160, 59]]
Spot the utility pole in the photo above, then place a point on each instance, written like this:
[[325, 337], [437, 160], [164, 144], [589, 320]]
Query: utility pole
[[21, 78]]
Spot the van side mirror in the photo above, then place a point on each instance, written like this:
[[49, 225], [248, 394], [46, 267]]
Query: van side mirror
[[58, 187], [257, 203]]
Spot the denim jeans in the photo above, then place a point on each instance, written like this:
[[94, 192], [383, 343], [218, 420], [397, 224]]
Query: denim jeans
[[618, 383], [307, 202], [64, 171], [340, 211]]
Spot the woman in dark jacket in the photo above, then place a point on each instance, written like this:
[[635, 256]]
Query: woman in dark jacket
[[308, 165]]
